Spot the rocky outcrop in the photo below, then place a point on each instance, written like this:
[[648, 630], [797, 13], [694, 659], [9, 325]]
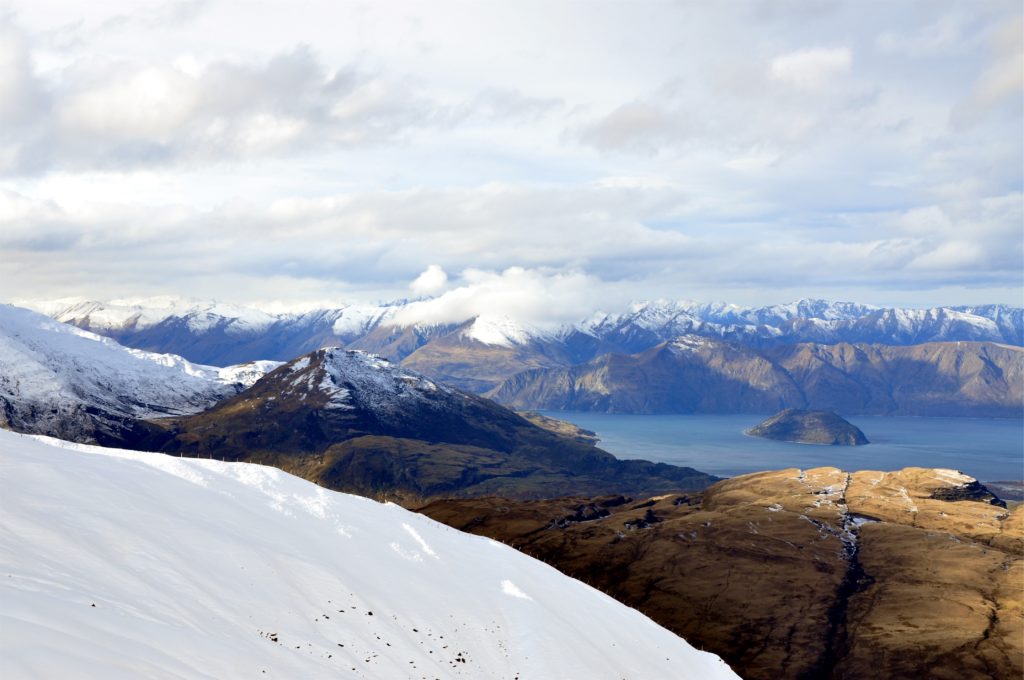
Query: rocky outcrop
[[809, 427], [562, 427], [799, 573], [701, 375]]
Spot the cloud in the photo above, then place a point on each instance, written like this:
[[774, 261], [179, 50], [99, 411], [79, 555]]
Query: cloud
[[679, 149], [1002, 80], [173, 13], [125, 114], [112, 113], [567, 250], [540, 299], [640, 125], [430, 281], [812, 69], [941, 37]]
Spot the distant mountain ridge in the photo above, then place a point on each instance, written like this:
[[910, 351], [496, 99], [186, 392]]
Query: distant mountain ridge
[[346, 419], [214, 333], [58, 380], [692, 374]]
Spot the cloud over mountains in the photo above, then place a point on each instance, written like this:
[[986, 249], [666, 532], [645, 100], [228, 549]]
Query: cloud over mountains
[[674, 150]]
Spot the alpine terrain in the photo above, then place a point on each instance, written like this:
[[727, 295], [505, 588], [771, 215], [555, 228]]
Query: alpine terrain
[[692, 374], [355, 422], [799, 573], [59, 380], [121, 564]]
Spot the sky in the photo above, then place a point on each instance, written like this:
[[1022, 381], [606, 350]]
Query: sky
[[551, 158]]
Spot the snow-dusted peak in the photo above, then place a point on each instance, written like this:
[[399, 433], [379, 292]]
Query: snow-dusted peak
[[346, 379], [501, 331], [246, 374], [355, 320], [52, 372], [141, 313]]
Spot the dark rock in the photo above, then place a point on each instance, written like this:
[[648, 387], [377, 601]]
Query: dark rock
[[809, 427]]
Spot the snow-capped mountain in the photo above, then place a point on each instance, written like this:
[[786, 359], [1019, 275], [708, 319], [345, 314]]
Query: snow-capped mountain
[[355, 422], [807, 321], [479, 353], [217, 333], [58, 379], [120, 564]]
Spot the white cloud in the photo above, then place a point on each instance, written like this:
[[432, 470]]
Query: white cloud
[[666, 149], [110, 113], [812, 69], [541, 254], [540, 299], [642, 125], [430, 281], [941, 37], [1002, 81]]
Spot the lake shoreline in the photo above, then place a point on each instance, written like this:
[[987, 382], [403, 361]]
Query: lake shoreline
[[984, 448]]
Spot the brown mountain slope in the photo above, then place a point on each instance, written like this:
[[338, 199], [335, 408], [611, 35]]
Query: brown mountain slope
[[469, 364], [700, 375], [354, 422], [799, 574], [690, 375]]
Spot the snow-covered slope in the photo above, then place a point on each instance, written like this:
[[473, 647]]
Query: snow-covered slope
[[58, 379], [128, 565]]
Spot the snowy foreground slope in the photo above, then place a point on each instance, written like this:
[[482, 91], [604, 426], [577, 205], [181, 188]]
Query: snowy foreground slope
[[118, 564]]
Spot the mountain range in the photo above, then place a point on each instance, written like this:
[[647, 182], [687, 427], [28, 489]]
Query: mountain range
[[777, 357], [692, 374], [59, 380], [346, 419], [221, 334]]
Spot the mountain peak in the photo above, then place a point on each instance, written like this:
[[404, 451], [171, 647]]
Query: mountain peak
[[500, 330], [348, 379]]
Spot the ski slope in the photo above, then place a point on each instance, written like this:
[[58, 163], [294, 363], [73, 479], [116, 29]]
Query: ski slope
[[119, 564]]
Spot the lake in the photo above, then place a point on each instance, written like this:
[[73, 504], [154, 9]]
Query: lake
[[988, 449]]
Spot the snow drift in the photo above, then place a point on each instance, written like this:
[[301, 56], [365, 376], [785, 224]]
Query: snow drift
[[121, 564]]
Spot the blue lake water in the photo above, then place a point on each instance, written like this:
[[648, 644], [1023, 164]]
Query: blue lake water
[[988, 449]]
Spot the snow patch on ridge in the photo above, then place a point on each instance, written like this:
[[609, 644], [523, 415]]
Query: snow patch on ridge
[[501, 331]]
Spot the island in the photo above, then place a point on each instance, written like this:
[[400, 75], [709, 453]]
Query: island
[[809, 427]]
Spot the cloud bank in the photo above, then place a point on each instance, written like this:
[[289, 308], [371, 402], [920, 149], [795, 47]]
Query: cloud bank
[[363, 153]]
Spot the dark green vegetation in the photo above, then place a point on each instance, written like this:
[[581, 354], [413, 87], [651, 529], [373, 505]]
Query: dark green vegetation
[[355, 423], [809, 427]]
